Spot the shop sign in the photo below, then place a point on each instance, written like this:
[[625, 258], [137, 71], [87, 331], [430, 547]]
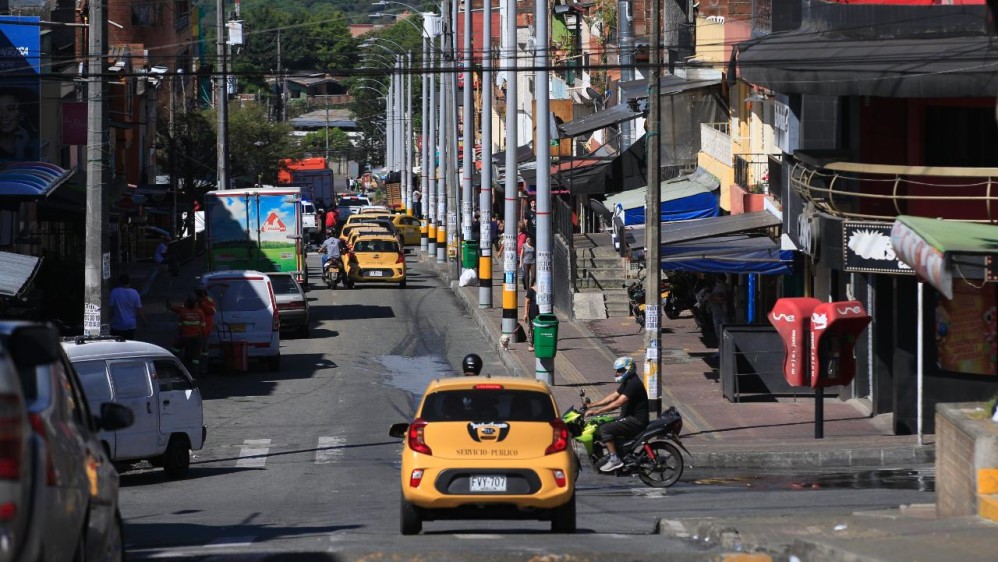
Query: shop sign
[[867, 247], [928, 262], [808, 229]]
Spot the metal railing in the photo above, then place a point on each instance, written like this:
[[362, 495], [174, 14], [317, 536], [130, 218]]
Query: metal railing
[[752, 172], [716, 142], [881, 192]]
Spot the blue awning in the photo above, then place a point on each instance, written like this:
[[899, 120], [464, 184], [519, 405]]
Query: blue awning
[[728, 254], [30, 180], [683, 198]]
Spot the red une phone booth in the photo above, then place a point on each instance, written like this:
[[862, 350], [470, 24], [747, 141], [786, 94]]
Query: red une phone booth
[[820, 340], [792, 319], [835, 326]]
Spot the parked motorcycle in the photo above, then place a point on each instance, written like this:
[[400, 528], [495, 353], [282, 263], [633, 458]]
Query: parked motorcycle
[[636, 298], [689, 293], [654, 455]]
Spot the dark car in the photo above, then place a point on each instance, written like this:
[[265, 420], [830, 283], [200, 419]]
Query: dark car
[[75, 513], [292, 305]]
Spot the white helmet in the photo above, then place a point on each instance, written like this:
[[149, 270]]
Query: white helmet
[[623, 366]]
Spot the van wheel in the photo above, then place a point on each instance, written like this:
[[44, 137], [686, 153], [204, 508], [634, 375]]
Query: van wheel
[[410, 518], [274, 363], [177, 458]]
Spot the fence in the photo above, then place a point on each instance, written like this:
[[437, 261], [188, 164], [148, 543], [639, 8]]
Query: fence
[[752, 172], [752, 363]]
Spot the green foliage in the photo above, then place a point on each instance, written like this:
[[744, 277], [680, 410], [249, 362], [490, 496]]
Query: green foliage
[[315, 142], [193, 145], [256, 144]]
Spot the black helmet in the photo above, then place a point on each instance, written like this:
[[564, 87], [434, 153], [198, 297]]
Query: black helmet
[[471, 364]]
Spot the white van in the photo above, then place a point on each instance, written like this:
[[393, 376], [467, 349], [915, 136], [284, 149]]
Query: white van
[[309, 227], [169, 418], [245, 310]]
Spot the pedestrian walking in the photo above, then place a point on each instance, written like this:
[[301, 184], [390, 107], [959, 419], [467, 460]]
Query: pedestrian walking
[[530, 311], [126, 309], [528, 261], [207, 305], [190, 332]]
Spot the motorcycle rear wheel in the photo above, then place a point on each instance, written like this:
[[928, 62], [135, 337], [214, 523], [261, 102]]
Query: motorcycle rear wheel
[[665, 469]]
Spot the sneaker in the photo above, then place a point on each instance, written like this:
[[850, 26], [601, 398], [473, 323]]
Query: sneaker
[[611, 464]]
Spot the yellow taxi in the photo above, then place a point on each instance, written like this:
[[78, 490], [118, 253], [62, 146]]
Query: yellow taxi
[[486, 448], [408, 228], [376, 258], [362, 230]]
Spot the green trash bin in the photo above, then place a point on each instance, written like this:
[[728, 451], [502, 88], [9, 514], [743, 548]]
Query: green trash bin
[[469, 254], [545, 336]]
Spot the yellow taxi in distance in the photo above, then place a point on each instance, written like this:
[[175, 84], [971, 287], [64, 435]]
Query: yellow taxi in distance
[[364, 218], [408, 228], [486, 448], [351, 235], [376, 258]]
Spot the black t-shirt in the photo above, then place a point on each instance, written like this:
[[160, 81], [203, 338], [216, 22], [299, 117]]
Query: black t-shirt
[[532, 309], [637, 399]]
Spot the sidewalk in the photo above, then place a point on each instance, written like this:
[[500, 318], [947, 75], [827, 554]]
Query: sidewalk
[[718, 433]]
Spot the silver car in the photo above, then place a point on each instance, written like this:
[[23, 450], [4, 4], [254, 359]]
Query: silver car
[[74, 515], [292, 305]]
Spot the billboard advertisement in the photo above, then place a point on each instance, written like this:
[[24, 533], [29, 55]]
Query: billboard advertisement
[[20, 51]]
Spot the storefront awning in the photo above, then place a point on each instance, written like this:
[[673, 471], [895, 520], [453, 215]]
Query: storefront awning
[[596, 121], [828, 63], [668, 85], [938, 250], [29, 181], [16, 272], [686, 197], [680, 231], [728, 254]]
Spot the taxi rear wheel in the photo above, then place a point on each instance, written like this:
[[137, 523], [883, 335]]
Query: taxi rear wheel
[[410, 518], [563, 517]]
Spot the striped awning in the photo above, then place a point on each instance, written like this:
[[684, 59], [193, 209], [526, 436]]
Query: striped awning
[[16, 272], [30, 180]]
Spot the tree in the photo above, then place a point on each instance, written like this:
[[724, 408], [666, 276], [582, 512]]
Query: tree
[[256, 144]]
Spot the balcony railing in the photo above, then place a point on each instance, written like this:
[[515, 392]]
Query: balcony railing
[[716, 142], [752, 171], [881, 192]]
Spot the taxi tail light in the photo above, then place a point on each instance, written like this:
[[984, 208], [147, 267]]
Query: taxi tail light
[[400, 258], [559, 441], [415, 478], [39, 426], [559, 478], [11, 437], [416, 438]]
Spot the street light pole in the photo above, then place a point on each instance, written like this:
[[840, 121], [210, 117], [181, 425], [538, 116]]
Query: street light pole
[[443, 130], [469, 124], [425, 140], [222, 99], [408, 145], [485, 190], [509, 282], [543, 366], [431, 148], [97, 266]]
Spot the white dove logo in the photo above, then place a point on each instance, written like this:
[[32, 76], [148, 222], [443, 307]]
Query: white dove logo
[[819, 321]]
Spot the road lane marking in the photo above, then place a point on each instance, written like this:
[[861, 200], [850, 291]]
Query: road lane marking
[[253, 453], [476, 536], [329, 449]]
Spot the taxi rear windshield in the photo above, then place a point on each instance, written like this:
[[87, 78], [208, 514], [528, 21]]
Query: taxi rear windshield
[[488, 405]]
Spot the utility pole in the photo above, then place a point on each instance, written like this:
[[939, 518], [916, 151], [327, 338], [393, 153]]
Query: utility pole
[[543, 367], [510, 213], [443, 129], [625, 33], [485, 190], [653, 332], [278, 82], [97, 266], [431, 149], [469, 126], [222, 98], [454, 176], [424, 140], [407, 145]]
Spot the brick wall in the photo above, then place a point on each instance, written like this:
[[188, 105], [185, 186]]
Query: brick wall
[[956, 488]]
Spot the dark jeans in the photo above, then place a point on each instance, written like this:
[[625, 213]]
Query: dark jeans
[[621, 430]]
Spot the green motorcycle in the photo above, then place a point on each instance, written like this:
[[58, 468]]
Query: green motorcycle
[[654, 455]]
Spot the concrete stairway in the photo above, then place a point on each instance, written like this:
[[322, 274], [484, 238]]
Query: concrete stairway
[[599, 270]]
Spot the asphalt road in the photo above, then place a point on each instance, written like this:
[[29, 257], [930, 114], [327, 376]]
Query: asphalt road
[[299, 461]]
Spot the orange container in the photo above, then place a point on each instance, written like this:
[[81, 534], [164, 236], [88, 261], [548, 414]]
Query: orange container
[[236, 356]]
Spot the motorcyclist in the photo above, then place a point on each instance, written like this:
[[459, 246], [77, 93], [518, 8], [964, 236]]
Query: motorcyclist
[[632, 399], [471, 365], [331, 246]]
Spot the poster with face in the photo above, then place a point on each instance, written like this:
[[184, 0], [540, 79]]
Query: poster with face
[[966, 330], [20, 49]]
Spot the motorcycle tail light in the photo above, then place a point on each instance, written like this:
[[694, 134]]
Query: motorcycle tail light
[[415, 478], [559, 441], [416, 438], [559, 478]]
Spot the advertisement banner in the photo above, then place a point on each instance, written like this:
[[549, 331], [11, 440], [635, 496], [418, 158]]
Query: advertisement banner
[[20, 50], [867, 247], [925, 259], [966, 330]]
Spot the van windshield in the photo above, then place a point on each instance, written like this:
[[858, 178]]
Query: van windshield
[[239, 294]]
